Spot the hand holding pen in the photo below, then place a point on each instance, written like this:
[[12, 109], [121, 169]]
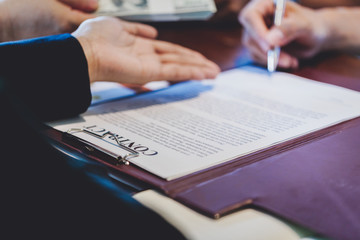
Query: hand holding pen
[[300, 33]]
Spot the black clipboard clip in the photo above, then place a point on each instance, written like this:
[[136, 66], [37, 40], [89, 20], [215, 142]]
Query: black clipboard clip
[[119, 153]]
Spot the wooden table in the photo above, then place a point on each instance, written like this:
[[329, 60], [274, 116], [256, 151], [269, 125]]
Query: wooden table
[[222, 43]]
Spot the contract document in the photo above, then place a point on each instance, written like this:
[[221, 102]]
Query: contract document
[[194, 125]]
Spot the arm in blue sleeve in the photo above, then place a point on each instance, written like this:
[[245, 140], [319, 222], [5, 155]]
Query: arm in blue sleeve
[[49, 75]]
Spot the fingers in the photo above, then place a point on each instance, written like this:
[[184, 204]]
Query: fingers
[[74, 17], [256, 52], [287, 61], [253, 18], [295, 27], [302, 50], [181, 63], [68, 19], [180, 72], [179, 68], [140, 30], [166, 47], [260, 56], [82, 5], [77, 17], [188, 60], [282, 35]]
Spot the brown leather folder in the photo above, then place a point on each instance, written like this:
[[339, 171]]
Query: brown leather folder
[[313, 180]]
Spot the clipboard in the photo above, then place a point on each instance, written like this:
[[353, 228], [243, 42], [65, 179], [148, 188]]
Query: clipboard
[[116, 154], [313, 181]]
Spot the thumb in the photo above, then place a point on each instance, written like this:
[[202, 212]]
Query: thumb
[[82, 5], [139, 29], [70, 19], [77, 17]]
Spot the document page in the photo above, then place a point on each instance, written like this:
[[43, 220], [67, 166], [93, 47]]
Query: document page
[[194, 125]]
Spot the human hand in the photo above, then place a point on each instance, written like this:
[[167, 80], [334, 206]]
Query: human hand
[[21, 19], [228, 10], [302, 33], [125, 52]]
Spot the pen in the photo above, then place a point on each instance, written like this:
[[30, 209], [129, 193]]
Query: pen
[[274, 53]]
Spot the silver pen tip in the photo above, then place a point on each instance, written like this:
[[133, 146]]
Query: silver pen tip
[[271, 61]]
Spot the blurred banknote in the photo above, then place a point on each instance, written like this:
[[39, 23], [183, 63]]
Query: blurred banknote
[[157, 10]]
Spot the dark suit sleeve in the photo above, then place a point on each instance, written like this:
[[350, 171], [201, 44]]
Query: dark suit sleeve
[[49, 75]]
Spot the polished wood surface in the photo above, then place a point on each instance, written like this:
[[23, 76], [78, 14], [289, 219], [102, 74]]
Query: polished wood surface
[[221, 42]]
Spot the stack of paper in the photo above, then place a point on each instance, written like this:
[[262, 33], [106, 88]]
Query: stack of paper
[[196, 125], [157, 10]]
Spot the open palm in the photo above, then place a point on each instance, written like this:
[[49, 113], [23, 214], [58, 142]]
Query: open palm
[[128, 53]]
